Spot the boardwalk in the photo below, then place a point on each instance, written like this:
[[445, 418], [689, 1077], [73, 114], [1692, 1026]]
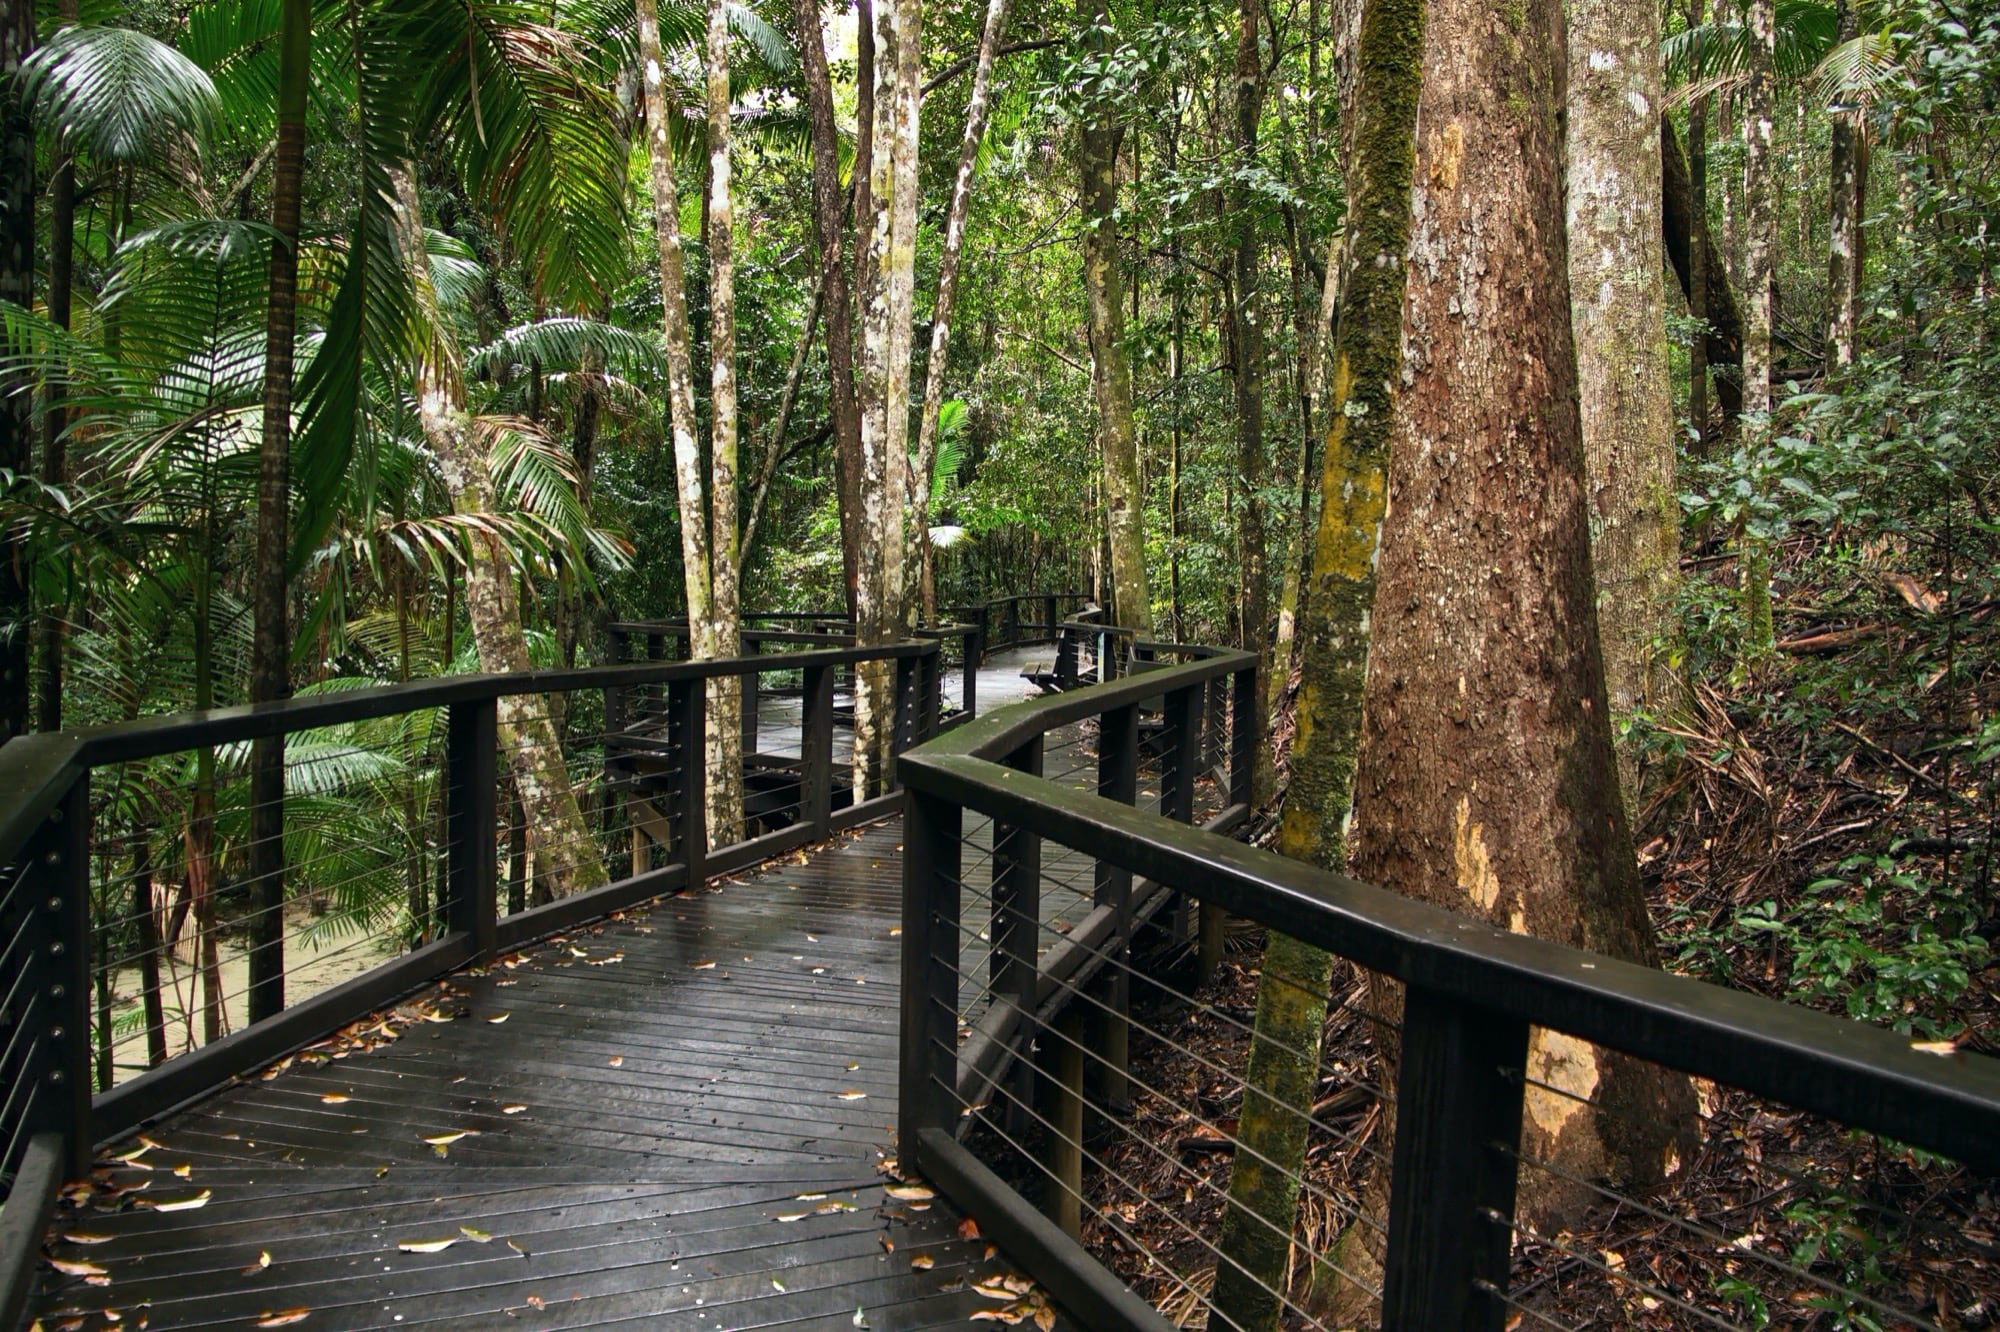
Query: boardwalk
[[672, 1119]]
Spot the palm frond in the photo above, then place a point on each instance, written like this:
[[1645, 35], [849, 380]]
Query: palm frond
[[119, 95], [563, 343]]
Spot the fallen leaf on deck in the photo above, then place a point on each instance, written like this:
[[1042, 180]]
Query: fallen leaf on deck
[[709, 965], [283, 1317], [850, 1095], [888, 1245], [476, 1236], [263, 1261], [512, 1109], [909, 1192], [790, 1216], [922, 1262], [968, 1229], [177, 1204], [447, 1139], [616, 1061], [438, 1245], [85, 1237], [71, 1267], [499, 1018], [336, 1098]]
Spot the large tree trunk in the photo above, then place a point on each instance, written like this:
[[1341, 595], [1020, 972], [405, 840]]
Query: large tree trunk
[[947, 294], [1759, 238], [1486, 778], [720, 636], [270, 655], [830, 232], [1843, 219], [1110, 361], [565, 850], [1618, 308], [888, 288], [1333, 626], [17, 403]]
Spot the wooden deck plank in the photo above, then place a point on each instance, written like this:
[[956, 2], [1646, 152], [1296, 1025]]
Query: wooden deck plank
[[672, 1115]]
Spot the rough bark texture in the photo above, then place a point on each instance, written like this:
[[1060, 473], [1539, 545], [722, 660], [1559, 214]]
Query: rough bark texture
[[1689, 239], [1486, 780], [888, 287], [1110, 360], [720, 635], [55, 460], [17, 403], [271, 644], [1843, 219], [1618, 310], [1759, 236], [1246, 316], [976, 107], [1696, 283], [565, 850], [830, 232], [1333, 626]]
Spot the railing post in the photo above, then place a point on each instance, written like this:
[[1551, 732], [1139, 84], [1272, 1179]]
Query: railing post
[[1216, 712], [927, 1073], [1458, 1119], [816, 751], [472, 765], [932, 703], [1246, 732], [61, 854], [746, 704], [1182, 759], [1117, 779], [975, 654], [1016, 925], [903, 714], [687, 808]]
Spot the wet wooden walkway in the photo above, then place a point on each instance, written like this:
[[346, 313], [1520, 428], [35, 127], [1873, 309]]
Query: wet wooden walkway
[[678, 1118]]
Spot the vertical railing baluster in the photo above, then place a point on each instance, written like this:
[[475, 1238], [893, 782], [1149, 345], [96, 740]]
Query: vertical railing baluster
[[975, 656], [927, 1072], [61, 857], [1246, 732], [472, 784], [1015, 929], [687, 808], [1458, 1122], [816, 751], [1117, 779]]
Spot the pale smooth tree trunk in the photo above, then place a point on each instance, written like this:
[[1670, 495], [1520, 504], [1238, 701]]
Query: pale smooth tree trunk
[[564, 848], [1283, 1073], [1486, 780], [976, 110], [887, 290], [1759, 234], [1247, 328], [1843, 219], [721, 636], [1110, 360], [1617, 267]]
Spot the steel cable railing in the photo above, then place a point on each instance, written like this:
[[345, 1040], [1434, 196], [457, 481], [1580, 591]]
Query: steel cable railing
[[1082, 1100]]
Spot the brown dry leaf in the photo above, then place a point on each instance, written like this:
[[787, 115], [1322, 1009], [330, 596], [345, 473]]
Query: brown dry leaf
[[263, 1261], [535, 1301], [71, 1267], [707, 964], [85, 1237], [283, 1317], [1012, 1315], [178, 1204], [438, 1245], [335, 1098], [791, 1216], [185, 1170], [922, 1262], [850, 1095], [909, 1192], [1935, 1047], [513, 1108], [888, 1245], [499, 1018], [968, 1229], [616, 1061], [1045, 1315], [831, 1208]]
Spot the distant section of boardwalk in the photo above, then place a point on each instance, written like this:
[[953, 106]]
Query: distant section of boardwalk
[[673, 1119]]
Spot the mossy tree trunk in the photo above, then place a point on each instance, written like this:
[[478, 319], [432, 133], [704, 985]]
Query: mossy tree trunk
[[1618, 307], [1486, 779], [1759, 235], [1843, 276], [721, 635], [1333, 626]]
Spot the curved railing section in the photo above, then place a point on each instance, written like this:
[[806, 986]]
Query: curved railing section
[[138, 969], [1019, 1034]]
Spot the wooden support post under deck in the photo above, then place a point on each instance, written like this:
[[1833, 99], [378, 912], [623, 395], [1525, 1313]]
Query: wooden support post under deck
[[927, 1074], [1062, 1137], [1458, 1121]]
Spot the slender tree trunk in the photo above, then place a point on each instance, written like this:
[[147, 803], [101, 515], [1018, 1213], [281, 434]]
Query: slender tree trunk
[[1759, 231], [565, 849], [1617, 272], [1843, 220], [947, 295], [887, 288], [17, 403], [1246, 316], [1692, 249], [1283, 1072], [1110, 360], [725, 696], [1697, 284], [1467, 795], [270, 675], [774, 446], [55, 461]]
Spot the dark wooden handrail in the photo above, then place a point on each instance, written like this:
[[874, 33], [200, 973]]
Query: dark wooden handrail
[[1463, 976]]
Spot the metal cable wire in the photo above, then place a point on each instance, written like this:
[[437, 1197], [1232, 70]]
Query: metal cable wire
[[1617, 1274]]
